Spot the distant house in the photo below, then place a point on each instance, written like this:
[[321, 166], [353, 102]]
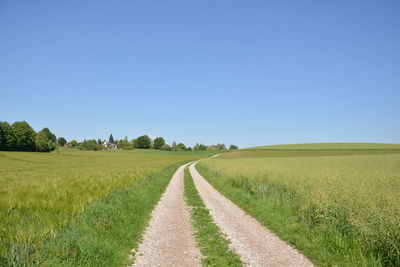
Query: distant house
[[110, 146]]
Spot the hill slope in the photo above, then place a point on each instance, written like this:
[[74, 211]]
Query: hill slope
[[332, 146]]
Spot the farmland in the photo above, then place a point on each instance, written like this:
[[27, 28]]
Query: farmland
[[345, 146], [43, 195], [337, 206]]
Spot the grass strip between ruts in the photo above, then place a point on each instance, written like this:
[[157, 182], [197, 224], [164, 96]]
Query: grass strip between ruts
[[212, 243]]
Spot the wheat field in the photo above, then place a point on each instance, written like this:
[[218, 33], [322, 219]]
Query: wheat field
[[351, 204]]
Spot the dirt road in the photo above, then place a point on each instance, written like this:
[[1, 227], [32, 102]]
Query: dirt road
[[256, 245], [168, 240]]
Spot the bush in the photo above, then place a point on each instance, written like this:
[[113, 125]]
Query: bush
[[166, 147], [90, 145]]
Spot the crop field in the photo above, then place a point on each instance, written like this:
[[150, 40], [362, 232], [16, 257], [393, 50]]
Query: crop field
[[338, 207], [268, 153], [43, 193], [346, 146]]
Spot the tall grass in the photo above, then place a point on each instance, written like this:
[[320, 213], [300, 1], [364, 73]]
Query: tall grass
[[40, 193], [342, 210], [105, 233]]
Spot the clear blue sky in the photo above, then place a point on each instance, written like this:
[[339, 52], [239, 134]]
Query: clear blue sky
[[242, 72]]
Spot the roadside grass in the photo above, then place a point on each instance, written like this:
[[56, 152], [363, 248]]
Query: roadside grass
[[341, 210], [41, 193], [212, 243], [105, 233]]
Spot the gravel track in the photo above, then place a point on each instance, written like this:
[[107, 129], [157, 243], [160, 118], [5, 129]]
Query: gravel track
[[256, 245], [168, 240]]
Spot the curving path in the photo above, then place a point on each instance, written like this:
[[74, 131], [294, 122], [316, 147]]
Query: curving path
[[256, 245]]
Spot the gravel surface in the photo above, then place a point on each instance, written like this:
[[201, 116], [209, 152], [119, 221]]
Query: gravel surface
[[256, 245], [168, 240]]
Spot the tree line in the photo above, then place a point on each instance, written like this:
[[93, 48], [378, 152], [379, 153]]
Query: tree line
[[143, 142], [20, 136]]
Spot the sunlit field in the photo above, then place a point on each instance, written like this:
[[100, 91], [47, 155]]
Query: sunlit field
[[346, 146], [339, 208], [42, 192]]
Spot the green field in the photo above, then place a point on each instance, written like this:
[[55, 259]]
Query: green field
[[79, 208], [268, 153], [43, 195], [339, 208], [332, 146]]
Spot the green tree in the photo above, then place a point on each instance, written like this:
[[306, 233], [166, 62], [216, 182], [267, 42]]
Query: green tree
[[124, 144], [212, 147], [221, 146], [173, 147], [111, 139], [90, 145], [180, 147], [143, 142], [7, 136], [52, 137], [158, 143], [61, 141], [45, 140], [25, 136], [233, 147], [200, 147], [73, 143], [165, 147]]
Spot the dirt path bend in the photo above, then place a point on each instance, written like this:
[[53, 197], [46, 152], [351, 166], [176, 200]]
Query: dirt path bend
[[256, 245], [168, 240], [214, 156]]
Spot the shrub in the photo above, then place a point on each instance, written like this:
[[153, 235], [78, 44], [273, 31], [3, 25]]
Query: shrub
[[166, 147]]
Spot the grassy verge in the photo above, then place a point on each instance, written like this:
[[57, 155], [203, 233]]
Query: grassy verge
[[327, 235], [42, 193], [105, 233], [212, 243]]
